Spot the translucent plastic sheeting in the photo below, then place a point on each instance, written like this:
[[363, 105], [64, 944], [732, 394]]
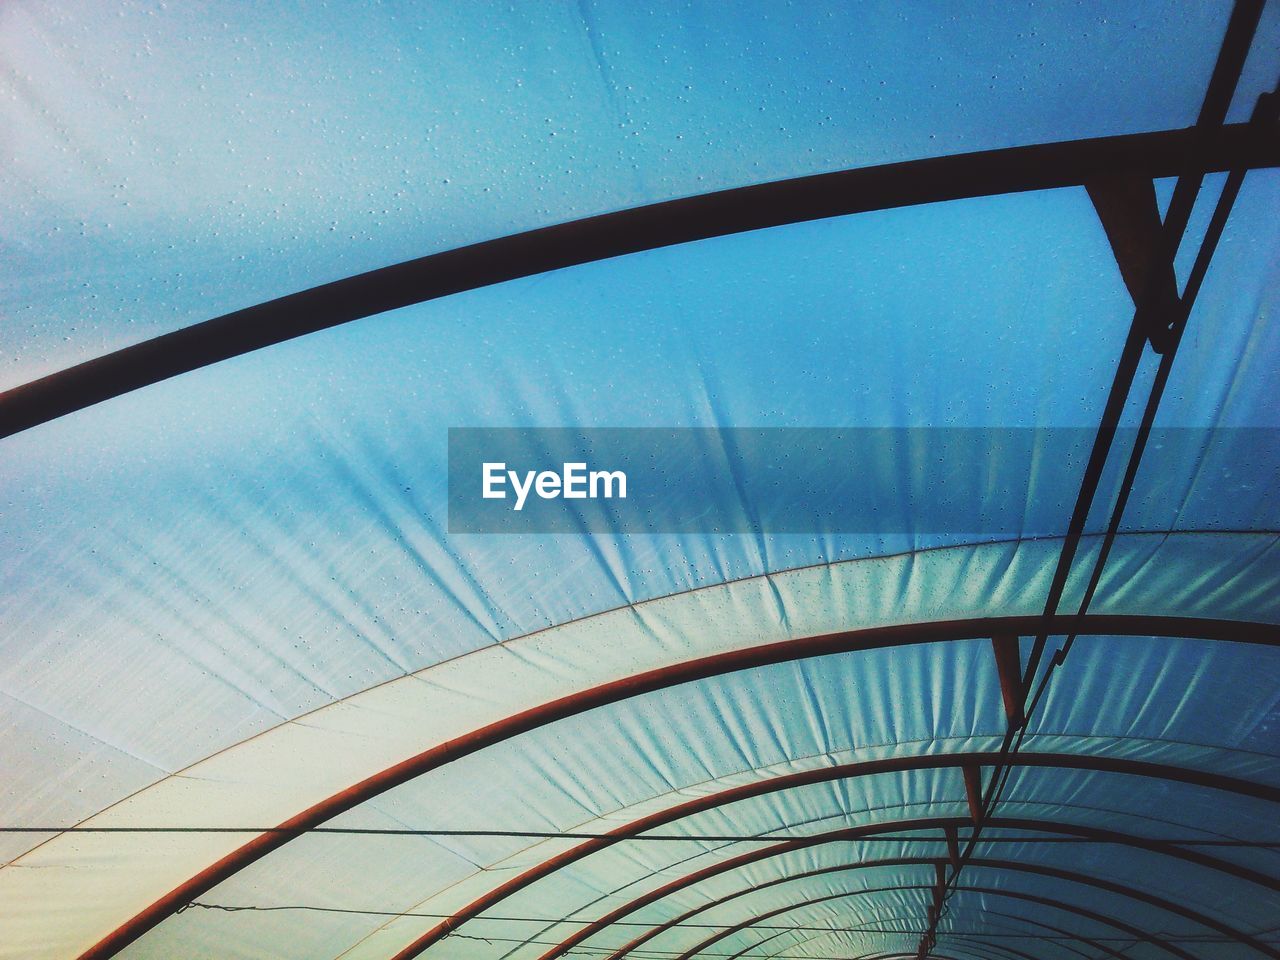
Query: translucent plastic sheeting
[[623, 875], [267, 535], [877, 908], [259, 539], [102, 877], [169, 163], [231, 595], [576, 897], [617, 764]]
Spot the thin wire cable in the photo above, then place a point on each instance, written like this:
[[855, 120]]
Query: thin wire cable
[[252, 908], [660, 837]]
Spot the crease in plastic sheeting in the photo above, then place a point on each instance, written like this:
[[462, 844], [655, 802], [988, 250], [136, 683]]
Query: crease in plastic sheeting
[[1203, 586], [1258, 344], [61, 721], [1256, 591], [360, 632], [39, 800], [123, 569], [614, 93], [607, 556], [732, 465], [1228, 351], [1133, 911], [327, 446], [473, 599], [448, 845], [1191, 494], [1161, 705], [227, 617], [1263, 729]]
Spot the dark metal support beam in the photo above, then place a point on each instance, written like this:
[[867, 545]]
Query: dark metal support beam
[[1209, 125], [1148, 324], [940, 880], [973, 790], [1130, 215], [987, 173], [1009, 669], [953, 845]]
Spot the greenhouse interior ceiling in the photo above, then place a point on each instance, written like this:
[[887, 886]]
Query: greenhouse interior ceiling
[[765, 480]]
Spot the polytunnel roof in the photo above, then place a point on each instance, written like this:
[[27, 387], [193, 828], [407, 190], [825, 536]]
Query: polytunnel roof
[[263, 696]]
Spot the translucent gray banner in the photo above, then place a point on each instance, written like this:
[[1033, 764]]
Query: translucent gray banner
[[981, 481]]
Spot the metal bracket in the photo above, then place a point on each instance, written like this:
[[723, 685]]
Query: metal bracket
[[1130, 214]]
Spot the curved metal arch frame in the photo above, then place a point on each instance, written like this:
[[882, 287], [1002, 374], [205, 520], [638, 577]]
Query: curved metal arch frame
[[1011, 865], [769, 915], [1011, 894], [1059, 931], [963, 761], [625, 688], [755, 920], [967, 950], [1072, 909], [959, 944], [895, 887], [836, 836], [704, 216], [1062, 944], [803, 940], [1003, 947], [898, 827]]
